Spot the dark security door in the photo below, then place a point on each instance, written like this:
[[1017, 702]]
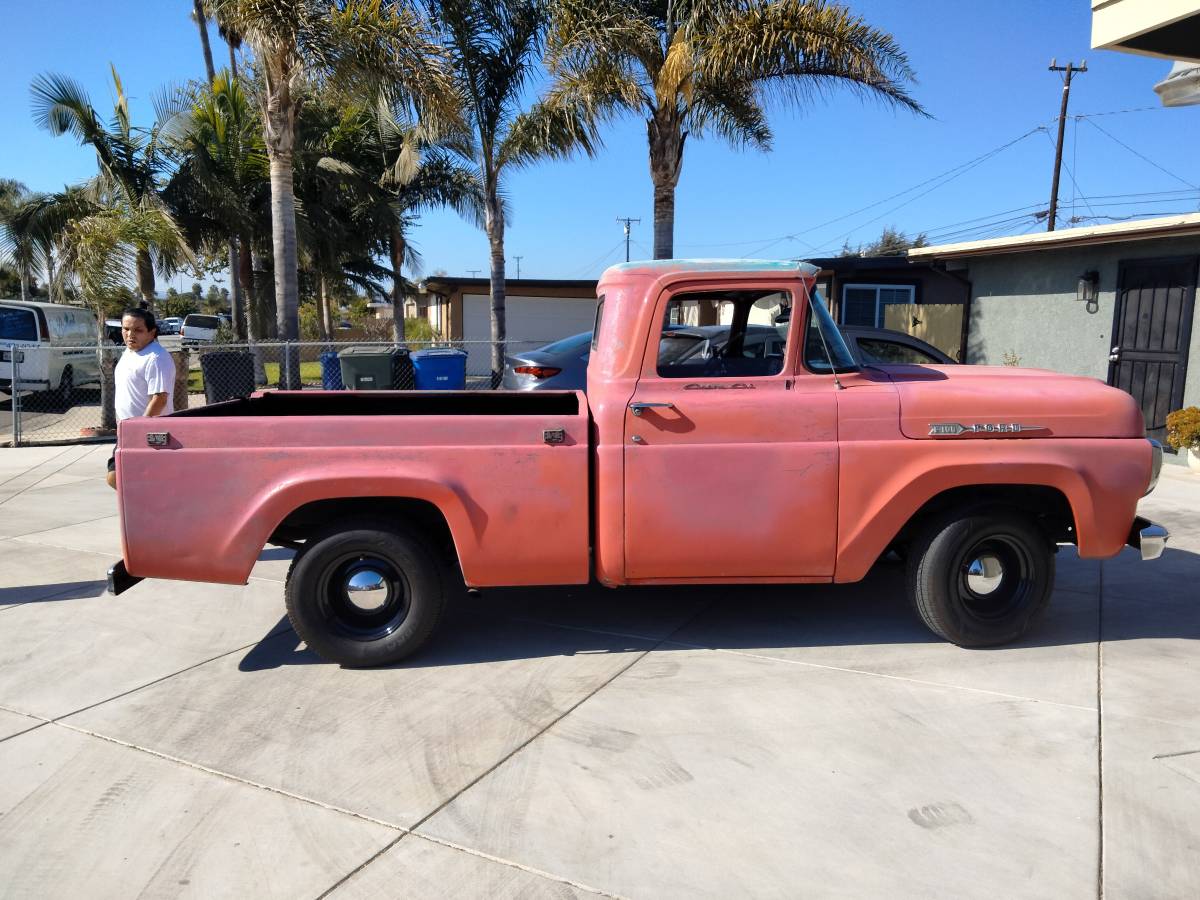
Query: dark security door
[[1151, 331]]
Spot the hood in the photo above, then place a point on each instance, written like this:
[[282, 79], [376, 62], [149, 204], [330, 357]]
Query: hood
[[989, 402]]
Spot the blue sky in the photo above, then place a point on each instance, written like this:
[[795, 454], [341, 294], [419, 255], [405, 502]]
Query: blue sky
[[982, 70]]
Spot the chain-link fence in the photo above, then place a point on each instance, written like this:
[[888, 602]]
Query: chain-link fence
[[51, 394]]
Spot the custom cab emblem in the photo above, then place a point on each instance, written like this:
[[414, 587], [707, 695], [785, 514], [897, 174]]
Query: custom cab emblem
[[950, 429], [732, 386]]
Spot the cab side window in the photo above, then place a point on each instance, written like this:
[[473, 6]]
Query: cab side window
[[728, 334]]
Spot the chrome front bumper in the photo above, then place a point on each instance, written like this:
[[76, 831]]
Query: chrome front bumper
[[1151, 539]]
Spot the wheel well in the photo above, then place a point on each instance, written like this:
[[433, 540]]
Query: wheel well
[[1048, 507], [301, 523]]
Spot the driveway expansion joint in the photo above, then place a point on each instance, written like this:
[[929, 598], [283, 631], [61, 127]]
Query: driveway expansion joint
[[638, 657]]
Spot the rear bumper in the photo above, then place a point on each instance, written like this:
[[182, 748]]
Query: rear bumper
[[1148, 537], [119, 579]]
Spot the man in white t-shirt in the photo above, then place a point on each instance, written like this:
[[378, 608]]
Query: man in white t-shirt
[[145, 374]]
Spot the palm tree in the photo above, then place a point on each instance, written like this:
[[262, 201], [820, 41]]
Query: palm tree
[[220, 184], [40, 222], [709, 66], [201, 20], [295, 41], [495, 52], [102, 250], [402, 169], [18, 245], [130, 160]]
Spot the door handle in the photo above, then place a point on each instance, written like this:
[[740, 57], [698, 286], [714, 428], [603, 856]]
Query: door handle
[[638, 406]]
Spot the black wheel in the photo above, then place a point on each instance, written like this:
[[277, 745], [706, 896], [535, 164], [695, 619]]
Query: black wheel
[[365, 594], [981, 579], [65, 392]]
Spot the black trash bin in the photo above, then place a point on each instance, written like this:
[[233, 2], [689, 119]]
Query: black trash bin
[[227, 374], [376, 368]]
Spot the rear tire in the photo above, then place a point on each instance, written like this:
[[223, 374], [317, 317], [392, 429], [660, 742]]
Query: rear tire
[[365, 593], [65, 393], [981, 579]]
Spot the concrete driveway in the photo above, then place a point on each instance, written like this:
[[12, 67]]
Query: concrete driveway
[[713, 742]]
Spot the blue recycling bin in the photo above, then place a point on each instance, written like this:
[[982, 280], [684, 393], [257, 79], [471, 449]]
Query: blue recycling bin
[[440, 369], [331, 372]]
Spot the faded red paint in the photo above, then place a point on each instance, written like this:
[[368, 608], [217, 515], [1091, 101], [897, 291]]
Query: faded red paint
[[794, 480]]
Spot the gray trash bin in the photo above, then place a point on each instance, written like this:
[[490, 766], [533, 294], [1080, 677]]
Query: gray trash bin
[[376, 368]]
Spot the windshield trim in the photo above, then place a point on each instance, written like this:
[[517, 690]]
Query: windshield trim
[[816, 306]]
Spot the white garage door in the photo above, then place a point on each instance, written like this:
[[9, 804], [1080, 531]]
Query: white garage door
[[532, 321]]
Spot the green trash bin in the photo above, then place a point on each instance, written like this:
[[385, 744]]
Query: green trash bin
[[376, 368]]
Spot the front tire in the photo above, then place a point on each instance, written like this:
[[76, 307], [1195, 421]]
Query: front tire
[[365, 594], [981, 579]]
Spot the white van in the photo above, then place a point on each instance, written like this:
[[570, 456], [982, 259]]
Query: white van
[[199, 329], [55, 346]]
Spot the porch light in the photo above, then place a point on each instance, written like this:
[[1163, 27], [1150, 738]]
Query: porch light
[[1088, 288]]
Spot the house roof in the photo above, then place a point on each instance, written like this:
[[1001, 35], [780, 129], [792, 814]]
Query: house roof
[[1119, 232], [440, 284]]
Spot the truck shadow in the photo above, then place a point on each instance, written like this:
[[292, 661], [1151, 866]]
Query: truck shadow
[[1140, 600], [66, 590]]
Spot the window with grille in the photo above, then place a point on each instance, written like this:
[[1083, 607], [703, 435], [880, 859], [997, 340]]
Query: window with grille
[[863, 304]]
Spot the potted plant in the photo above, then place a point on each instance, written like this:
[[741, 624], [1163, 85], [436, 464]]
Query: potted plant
[[1183, 433]]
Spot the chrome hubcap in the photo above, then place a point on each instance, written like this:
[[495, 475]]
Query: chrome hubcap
[[367, 590], [984, 574]]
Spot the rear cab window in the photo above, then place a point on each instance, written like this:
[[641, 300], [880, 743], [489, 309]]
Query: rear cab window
[[596, 327]]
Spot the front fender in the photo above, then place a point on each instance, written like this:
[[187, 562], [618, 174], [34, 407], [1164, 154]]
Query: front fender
[[884, 485]]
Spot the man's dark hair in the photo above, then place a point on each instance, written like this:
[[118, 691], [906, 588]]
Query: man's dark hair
[[145, 315]]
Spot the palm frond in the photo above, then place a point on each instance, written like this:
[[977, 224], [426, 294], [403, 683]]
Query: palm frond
[[797, 48], [549, 130]]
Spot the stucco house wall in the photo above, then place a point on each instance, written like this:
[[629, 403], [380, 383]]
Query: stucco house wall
[[1024, 304]]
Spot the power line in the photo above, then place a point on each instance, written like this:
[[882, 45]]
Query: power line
[[627, 222], [591, 267], [1069, 70], [1076, 186], [1141, 156], [1119, 112], [949, 175]]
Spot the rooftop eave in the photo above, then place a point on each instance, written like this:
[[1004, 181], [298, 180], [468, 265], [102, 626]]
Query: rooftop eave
[[1168, 29], [1168, 226]]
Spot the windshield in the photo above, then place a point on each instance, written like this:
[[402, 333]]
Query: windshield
[[818, 353]]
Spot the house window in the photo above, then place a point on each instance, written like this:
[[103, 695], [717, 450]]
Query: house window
[[863, 304]]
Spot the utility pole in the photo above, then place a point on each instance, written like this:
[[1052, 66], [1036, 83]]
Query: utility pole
[[518, 259], [627, 222], [474, 272], [1071, 69]]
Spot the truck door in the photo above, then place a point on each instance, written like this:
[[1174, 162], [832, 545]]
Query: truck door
[[730, 459]]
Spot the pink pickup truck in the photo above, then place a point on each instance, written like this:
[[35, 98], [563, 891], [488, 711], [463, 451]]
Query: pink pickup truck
[[755, 453]]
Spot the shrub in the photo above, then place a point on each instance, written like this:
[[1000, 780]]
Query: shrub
[[1183, 428]]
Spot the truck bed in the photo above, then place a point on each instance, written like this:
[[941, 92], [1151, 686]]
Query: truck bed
[[394, 403], [508, 472]]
